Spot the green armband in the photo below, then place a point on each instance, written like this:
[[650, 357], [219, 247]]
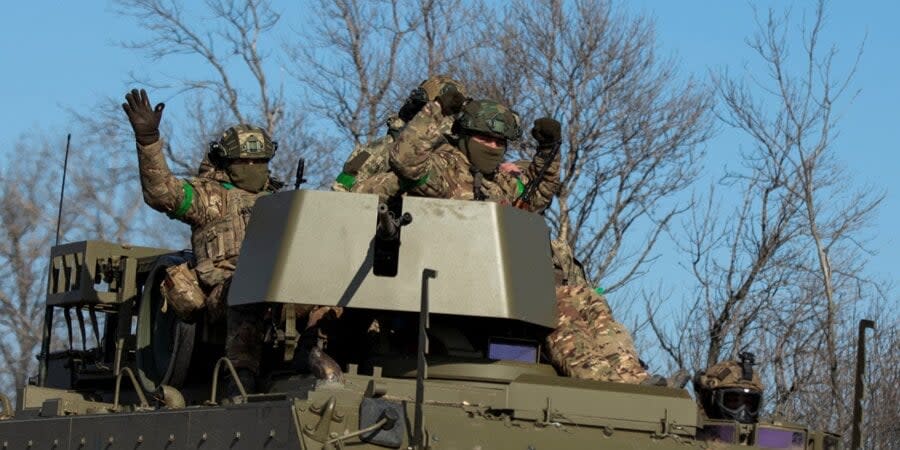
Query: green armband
[[346, 180], [520, 187], [406, 184], [186, 203]]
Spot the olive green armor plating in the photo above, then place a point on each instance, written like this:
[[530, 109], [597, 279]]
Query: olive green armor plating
[[476, 380]]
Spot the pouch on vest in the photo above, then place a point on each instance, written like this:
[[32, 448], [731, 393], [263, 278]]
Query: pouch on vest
[[211, 276], [182, 292]]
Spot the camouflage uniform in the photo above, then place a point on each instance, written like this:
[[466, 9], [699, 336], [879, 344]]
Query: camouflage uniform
[[587, 343], [368, 160], [434, 167], [568, 270], [371, 159], [386, 183], [218, 213]]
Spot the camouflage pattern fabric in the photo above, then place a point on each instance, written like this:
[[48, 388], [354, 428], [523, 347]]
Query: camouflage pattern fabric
[[384, 185], [181, 291], [424, 159], [368, 160], [588, 343], [568, 270], [218, 214]]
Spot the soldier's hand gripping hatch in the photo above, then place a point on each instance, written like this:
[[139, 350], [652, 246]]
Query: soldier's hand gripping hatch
[[144, 118]]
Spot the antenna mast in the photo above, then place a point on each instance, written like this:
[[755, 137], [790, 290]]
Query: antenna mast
[[62, 190]]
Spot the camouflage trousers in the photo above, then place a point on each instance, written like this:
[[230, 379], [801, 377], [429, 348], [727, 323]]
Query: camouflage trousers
[[588, 343], [189, 292], [244, 343]]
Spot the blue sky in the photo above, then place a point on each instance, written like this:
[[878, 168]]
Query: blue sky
[[58, 55]]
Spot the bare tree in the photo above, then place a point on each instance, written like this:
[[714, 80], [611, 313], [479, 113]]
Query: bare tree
[[785, 272], [24, 209], [365, 43], [631, 124], [235, 45]]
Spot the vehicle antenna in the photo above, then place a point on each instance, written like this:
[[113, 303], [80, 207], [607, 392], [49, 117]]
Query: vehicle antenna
[[62, 190]]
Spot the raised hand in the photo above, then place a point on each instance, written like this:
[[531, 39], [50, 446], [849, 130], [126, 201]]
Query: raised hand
[[547, 131], [144, 119], [451, 102]]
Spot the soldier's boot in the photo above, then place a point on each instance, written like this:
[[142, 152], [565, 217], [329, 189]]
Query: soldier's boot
[[655, 380], [677, 381], [310, 356], [324, 367]]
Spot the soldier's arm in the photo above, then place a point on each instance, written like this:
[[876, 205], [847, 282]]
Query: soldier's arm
[[549, 183], [162, 190], [412, 156]]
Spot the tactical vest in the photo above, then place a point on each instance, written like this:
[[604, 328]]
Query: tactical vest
[[219, 240]]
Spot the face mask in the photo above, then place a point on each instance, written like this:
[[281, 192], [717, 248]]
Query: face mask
[[483, 157], [249, 177]]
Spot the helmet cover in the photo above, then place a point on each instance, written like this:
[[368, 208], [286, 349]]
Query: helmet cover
[[726, 391], [490, 118], [244, 142]]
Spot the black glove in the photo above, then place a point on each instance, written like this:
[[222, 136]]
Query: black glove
[[451, 102], [144, 119], [547, 132], [413, 104]]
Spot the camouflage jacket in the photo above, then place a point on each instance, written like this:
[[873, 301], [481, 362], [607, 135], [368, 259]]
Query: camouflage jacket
[[217, 211], [425, 160], [368, 159], [568, 270]]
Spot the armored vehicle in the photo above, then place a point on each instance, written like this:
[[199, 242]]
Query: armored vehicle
[[445, 305]]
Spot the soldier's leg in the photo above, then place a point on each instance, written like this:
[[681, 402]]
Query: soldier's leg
[[243, 345], [588, 343]]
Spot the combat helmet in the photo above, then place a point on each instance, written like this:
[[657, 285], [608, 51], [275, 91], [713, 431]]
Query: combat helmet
[[730, 390], [243, 142], [487, 117]]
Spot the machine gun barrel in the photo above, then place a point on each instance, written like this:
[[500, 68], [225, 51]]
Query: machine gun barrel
[[388, 228]]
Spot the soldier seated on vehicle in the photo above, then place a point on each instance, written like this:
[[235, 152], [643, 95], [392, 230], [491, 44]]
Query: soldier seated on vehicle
[[217, 205], [587, 342], [371, 159], [730, 390]]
